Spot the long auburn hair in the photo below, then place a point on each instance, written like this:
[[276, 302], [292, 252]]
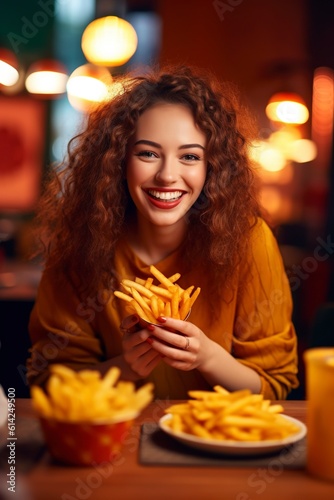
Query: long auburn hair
[[85, 206]]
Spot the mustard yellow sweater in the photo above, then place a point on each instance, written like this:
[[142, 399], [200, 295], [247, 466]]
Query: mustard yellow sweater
[[254, 324]]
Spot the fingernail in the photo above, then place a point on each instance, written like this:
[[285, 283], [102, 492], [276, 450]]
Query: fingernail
[[150, 327], [149, 340], [162, 319]]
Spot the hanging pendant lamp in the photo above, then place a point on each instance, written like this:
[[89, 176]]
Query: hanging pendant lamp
[[109, 41]]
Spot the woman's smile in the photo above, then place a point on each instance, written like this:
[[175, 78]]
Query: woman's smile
[[164, 199]]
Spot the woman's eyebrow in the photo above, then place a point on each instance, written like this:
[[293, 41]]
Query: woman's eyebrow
[[186, 146], [149, 143], [156, 145]]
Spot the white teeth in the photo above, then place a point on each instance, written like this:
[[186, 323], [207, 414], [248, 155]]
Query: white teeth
[[166, 195]]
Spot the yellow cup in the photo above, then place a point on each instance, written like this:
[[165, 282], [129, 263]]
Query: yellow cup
[[319, 364]]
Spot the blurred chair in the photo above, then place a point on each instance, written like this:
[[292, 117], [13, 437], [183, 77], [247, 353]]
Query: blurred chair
[[15, 344], [322, 328]]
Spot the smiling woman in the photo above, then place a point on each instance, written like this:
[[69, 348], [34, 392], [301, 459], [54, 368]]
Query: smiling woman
[[166, 171], [161, 175]]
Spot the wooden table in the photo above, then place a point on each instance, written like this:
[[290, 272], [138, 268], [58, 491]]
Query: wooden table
[[127, 479]]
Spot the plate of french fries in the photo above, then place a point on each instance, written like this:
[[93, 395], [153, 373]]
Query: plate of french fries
[[232, 423], [158, 295]]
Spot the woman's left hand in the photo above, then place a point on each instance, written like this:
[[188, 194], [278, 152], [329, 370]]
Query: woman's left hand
[[184, 346], [181, 343]]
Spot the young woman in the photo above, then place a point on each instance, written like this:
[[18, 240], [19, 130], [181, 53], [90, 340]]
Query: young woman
[[161, 175]]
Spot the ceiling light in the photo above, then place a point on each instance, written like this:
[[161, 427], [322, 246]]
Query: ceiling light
[[303, 151], [88, 86], [9, 74], [46, 78], [287, 108], [109, 41]]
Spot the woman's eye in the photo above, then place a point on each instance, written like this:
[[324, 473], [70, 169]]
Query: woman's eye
[[190, 157], [146, 154]]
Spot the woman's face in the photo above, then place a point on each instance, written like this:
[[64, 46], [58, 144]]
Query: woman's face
[[166, 167]]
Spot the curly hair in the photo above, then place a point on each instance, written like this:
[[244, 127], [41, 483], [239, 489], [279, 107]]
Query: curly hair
[[84, 209]]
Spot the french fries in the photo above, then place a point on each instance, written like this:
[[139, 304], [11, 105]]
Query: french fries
[[223, 415], [85, 396], [167, 298]]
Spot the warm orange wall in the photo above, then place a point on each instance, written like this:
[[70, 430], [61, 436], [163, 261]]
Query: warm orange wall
[[240, 45], [191, 33]]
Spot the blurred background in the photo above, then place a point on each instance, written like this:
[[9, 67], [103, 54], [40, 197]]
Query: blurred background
[[57, 61]]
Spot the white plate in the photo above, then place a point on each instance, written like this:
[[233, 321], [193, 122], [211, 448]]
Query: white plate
[[236, 447]]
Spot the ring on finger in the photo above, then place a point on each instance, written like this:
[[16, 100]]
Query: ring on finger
[[187, 344]]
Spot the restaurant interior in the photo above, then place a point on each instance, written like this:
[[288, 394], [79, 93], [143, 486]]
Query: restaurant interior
[[274, 51]]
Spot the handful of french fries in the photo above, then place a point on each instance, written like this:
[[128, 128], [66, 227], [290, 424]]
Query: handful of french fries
[[222, 415], [86, 396], [150, 300]]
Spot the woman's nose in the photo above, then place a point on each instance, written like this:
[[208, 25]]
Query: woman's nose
[[167, 172]]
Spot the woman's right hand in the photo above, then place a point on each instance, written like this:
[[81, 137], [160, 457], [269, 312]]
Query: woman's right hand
[[137, 351]]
